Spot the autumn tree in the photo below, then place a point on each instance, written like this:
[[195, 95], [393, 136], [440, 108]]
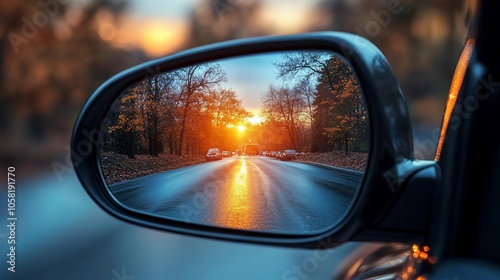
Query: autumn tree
[[226, 112], [127, 121], [143, 113], [336, 106], [340, 114], [177, 111]]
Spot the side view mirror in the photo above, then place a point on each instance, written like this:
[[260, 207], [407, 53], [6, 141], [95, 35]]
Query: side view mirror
[[275, 140]]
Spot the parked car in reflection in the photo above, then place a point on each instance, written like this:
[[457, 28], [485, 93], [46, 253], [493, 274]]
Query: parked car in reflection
[[213, 154], [226, 154], [288, 155]]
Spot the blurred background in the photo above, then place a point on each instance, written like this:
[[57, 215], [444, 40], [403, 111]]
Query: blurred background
[[55, 53]]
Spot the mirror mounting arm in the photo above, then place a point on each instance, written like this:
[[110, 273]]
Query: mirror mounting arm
[[409, 218]]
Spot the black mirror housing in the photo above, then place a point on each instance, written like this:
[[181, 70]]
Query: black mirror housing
[[391, 161]]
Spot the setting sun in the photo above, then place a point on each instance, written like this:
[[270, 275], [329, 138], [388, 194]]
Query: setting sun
[[241, 128]]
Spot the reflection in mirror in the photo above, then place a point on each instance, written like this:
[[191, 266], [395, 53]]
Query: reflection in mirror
[[272, 142]]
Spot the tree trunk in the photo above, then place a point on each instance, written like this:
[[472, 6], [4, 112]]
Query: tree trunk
[[183, 124], [131, 145], [154, 138], [346, 145], [171, 143]]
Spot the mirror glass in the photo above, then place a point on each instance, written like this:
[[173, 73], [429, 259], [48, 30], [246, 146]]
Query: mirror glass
[[272, 142]]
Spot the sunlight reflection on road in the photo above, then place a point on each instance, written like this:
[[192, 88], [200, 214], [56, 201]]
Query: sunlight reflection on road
[[235, 209]]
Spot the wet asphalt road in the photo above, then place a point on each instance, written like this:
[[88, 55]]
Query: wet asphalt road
[[62, 234], [253, 193]]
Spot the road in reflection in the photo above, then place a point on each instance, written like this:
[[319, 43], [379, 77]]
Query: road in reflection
[[235, 208]]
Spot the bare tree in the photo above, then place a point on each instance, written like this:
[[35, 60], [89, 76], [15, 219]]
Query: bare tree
[[284, 106], [196, 81], [308, 65]]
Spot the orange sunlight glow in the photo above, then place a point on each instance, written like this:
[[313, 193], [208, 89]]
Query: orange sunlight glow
[[456, 84], [159, 39], [256, 119], [236, 209], [291, 18], [156, 37], [241, 128]]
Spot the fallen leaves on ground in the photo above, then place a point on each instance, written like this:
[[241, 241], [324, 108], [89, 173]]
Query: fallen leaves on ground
[[356, 161], [117, 167]]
